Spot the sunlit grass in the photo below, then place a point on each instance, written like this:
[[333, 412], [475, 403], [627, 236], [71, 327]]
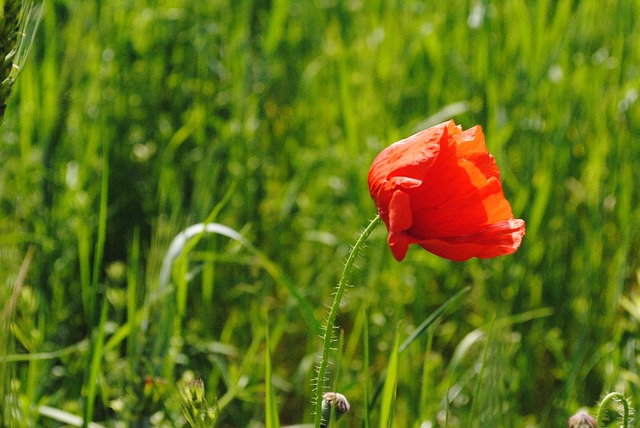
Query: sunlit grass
[[131, 121]]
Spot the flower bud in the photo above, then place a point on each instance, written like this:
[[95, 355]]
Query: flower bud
[[194, 404], [582, 420], [333, 400]]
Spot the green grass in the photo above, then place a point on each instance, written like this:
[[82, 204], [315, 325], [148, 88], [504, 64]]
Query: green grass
[[132, 120]]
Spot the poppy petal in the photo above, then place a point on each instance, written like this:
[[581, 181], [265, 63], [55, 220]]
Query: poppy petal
[[498, 239], [406, 162], [399, 245], [400, 217]]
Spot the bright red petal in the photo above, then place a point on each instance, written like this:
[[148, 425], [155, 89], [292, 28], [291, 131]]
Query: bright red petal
[[400, 216], [459, 195], [399, 245], [496, 240], [404, 164]]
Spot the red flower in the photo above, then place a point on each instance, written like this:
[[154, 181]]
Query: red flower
[[441, 189]]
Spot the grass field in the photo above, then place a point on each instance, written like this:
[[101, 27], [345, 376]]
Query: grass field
[[134, 119]]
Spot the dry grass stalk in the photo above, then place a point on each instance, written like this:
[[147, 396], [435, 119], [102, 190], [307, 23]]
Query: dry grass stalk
[[19, 21], [9, 30]]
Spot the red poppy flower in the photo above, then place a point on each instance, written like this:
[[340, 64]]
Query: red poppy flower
[[441, 189]]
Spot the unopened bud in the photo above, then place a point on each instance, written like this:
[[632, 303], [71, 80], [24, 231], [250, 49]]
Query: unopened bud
[[333, 400], [582, 420], [194, 404], [193, 391]]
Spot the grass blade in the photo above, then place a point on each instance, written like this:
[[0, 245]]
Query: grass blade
[[476, 393], [95, 364], [271, 408], [387, 405], [433, 317], [65, 417], [422, 328], [365, 357]]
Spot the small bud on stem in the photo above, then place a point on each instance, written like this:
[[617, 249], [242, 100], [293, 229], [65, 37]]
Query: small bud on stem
[[333, 400]]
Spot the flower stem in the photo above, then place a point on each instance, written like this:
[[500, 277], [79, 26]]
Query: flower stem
[[618, 397], [328, 330]]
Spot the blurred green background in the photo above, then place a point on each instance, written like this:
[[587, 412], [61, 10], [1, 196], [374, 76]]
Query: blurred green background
[[133, 119]]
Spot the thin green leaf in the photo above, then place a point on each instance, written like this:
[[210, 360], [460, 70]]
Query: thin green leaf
[[271, 408], [367, 376], [433, 317], [387, 406], [422, 328]]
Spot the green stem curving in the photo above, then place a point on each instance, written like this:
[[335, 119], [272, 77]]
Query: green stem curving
[[328, 330], [619, 398]]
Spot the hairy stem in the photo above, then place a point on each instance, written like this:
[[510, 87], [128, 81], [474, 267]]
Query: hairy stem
[[328, 330], [619, 398]]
